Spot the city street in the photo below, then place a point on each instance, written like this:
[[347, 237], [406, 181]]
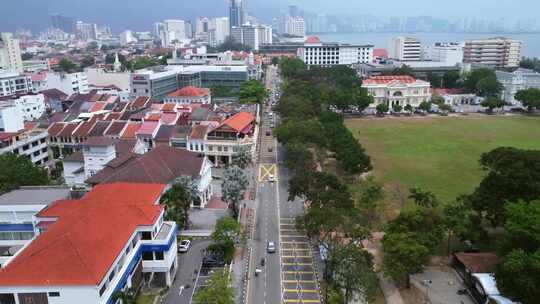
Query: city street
[[288, 275]]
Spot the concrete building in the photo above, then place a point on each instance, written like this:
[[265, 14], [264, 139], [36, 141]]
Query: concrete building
[[401, 90], [498, 52], [219, 31], [28, 107], [157, 83], [314, 52], [13, 83], [11, 119], [252, 35], [513, 82], [447, 53], [69, 83], [175, 30], [189, 95], [63, 23], [85, 31], [17, 210], [295, 26], [10, 54], [127, 37], [405, 49], [35, 66], [30, 143], [113, 238]]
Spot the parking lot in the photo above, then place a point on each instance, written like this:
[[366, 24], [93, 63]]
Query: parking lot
[[202, 277]]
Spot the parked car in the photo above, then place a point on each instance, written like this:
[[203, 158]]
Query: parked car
[[213, 261], [184, 246], [271, 247]]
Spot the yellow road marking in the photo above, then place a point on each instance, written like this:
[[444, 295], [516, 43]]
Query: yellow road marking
[[297, 264], [300, 301], [301, 290], [299, 272], [266, 170]]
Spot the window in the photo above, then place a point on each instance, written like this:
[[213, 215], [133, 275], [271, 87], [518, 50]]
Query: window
[[159, 256], [111, 276], [54, 294], [102, 289], [147, 256], [146, 235]]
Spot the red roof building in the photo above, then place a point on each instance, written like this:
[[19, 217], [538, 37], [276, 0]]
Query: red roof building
[[94, 246], [189, 95]]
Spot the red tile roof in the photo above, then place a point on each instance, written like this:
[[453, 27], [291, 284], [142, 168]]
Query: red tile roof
[[83, 128], [313, 39], [190, 91], [168, 107], [88, 236], [97, 106], [130, 130], [447, 91], [139, 102], [240, 122], [381, 53], [115, 128], [388, 79], [68, 130], [163, 164], [55, 128], [198, 132]]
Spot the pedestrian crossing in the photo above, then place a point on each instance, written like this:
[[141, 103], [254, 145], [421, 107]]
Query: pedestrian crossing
[[299, 282]]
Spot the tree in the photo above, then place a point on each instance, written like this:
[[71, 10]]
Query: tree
[[518, 275], [242, 157], [292, 67], [408, 108], [435, 80], [404, 70], [425, 106], [459, 219], [217, 290], [92, 46], [437, 99], [127, 296], [27, 56], [143, 62], [234, 185], [18, 170], [423, 198], [222, 91], [226, 233], [445, 108], [304, 131], [489, 87], [511, 174], [492, 103], [402, 255], [179, 199], [382, 109], [252, 91], [351, 269], [87, 61], [275, 60], [451, 79], [232, 45], [530, 63], [66, 65], [529, 98], [397, 108]]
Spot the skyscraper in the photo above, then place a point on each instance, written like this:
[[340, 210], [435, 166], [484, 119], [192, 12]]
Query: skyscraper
[[10, 53], [293, 11], [236, 13], [66, 24]]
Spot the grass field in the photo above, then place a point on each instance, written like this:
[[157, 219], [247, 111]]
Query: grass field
[[441, 153]]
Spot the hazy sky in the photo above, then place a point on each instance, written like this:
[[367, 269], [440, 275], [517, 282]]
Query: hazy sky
[[140, 14]]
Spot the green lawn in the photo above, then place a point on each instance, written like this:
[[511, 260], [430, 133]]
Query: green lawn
[[145, 298], [441, 153]]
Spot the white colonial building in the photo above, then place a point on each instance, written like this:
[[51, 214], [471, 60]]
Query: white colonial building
[[189, 95], [513, 82], [400, 90]]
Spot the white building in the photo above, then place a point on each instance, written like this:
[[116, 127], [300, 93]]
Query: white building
[[11, 119], [12, 83], [100, 78], [68, 83], [31, 143], [127, 37], [189, 95], [17, 210], [295, 26], [252, 35], [175, 30], [29, 107], [34, 66], [448, 53], [10, 54], [498, 52], [113, 238], [400, 90], [315, 52], [405, 49], [513, 82], [86, 31], [219, 31]]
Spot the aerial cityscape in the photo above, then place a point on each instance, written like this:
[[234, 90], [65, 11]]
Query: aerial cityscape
[[249, 152]]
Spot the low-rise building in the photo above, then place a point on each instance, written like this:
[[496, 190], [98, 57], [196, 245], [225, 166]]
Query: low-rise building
[[13, 83], [17, 210], [398, 90], [29, 107], [189, 95], [30, 143], [513, 82], [69, 83], [112, 239]]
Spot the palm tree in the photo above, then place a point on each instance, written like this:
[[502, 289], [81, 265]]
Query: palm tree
[[127, 296], [179, 199]]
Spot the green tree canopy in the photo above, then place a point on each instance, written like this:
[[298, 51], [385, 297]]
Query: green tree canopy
[[451, 79], [382, 108], [233, 187], [252, 91], [529, 98], [217, 290], [492, 102], [226, 233], [222, 91], [178, 200], [67, 65], [482, 82], [425, 106], [87, 61], [18, 170]]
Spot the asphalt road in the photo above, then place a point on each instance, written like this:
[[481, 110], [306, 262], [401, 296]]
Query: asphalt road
[[186, 275], [288, 275]]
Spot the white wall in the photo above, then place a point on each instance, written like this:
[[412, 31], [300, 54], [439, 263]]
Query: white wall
[[10, 119], [68, 294]]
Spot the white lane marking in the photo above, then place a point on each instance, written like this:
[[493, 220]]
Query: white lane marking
[[181, 290]]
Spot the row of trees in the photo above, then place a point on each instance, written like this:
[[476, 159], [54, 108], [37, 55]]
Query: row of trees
[[336, 218]]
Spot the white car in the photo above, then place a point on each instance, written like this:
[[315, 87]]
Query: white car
[[271, 178], [184, 246]]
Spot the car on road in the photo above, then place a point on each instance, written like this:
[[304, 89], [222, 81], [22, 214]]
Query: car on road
[[271, 247], [184, 246], [271, 178], [213, 261]]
